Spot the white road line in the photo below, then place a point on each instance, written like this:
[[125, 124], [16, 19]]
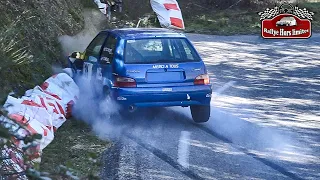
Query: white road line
[[231, 83], [183, 149], [276, 61], [224, 87]]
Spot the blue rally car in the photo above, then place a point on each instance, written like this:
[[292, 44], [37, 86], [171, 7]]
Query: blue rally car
[[147, 68]]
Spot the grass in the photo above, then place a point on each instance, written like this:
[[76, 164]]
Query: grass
[[29, 45], [16, 63], [225, 23], [73, 146], [75, 15], [88, 4]]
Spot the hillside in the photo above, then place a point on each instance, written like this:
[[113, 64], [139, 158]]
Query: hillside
[[28, 39]]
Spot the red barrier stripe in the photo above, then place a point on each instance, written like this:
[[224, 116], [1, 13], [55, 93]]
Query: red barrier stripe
[[54, 129], [43, 103], [176, 22], [61, 109], [69, 109], [31, 103], [19, 118], [24, 121], [70, 103], [54, 108], [44, 86], [45, 132], [53, 95], [171, 7], [31, 129]]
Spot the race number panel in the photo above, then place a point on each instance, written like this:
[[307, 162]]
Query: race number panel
[[87, 70]]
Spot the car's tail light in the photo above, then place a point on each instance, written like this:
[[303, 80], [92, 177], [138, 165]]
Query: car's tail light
[[202, 80], [124, 82]]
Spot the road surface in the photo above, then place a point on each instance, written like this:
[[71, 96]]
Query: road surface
[[265, 120]]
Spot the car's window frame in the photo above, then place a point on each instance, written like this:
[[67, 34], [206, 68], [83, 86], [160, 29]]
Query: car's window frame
[[114, 50], [189, 44], [91, 50]]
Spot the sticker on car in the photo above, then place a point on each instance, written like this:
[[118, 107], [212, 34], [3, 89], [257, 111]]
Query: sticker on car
[[167, 89], [158, 66]]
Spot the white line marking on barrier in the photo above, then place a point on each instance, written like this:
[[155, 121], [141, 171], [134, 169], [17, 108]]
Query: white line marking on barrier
[[183, 149]]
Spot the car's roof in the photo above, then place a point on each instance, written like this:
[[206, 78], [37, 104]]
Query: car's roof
[[134, 33]]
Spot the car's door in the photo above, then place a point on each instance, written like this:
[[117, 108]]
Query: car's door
[[107, 57], [92, 54]]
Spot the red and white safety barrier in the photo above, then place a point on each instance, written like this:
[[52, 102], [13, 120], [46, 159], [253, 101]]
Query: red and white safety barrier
[[102, 6], [42, 110], [169, 13]]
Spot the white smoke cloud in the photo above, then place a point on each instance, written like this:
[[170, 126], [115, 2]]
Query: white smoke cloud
[[94, 21], [101, 114]]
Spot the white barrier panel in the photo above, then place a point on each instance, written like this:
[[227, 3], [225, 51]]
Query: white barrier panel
[[43, 109], [102, 6], [169, 13], [54, 106], [33, 127]]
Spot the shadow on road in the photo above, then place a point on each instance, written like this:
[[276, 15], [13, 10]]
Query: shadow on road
[[158, 131], [277, 82]]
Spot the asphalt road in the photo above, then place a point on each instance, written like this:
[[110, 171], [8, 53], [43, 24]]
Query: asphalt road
[[265, 120]]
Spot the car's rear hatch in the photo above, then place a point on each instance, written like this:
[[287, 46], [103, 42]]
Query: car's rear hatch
[[161, 75], [160, 62]]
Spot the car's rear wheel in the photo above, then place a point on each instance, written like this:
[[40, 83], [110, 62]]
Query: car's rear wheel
[[200, 113]]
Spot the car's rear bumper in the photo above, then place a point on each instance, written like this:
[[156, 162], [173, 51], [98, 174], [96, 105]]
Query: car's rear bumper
[[166, 96]]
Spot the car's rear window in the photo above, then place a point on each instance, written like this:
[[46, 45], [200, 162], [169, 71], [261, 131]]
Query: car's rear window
[[159, 50]]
